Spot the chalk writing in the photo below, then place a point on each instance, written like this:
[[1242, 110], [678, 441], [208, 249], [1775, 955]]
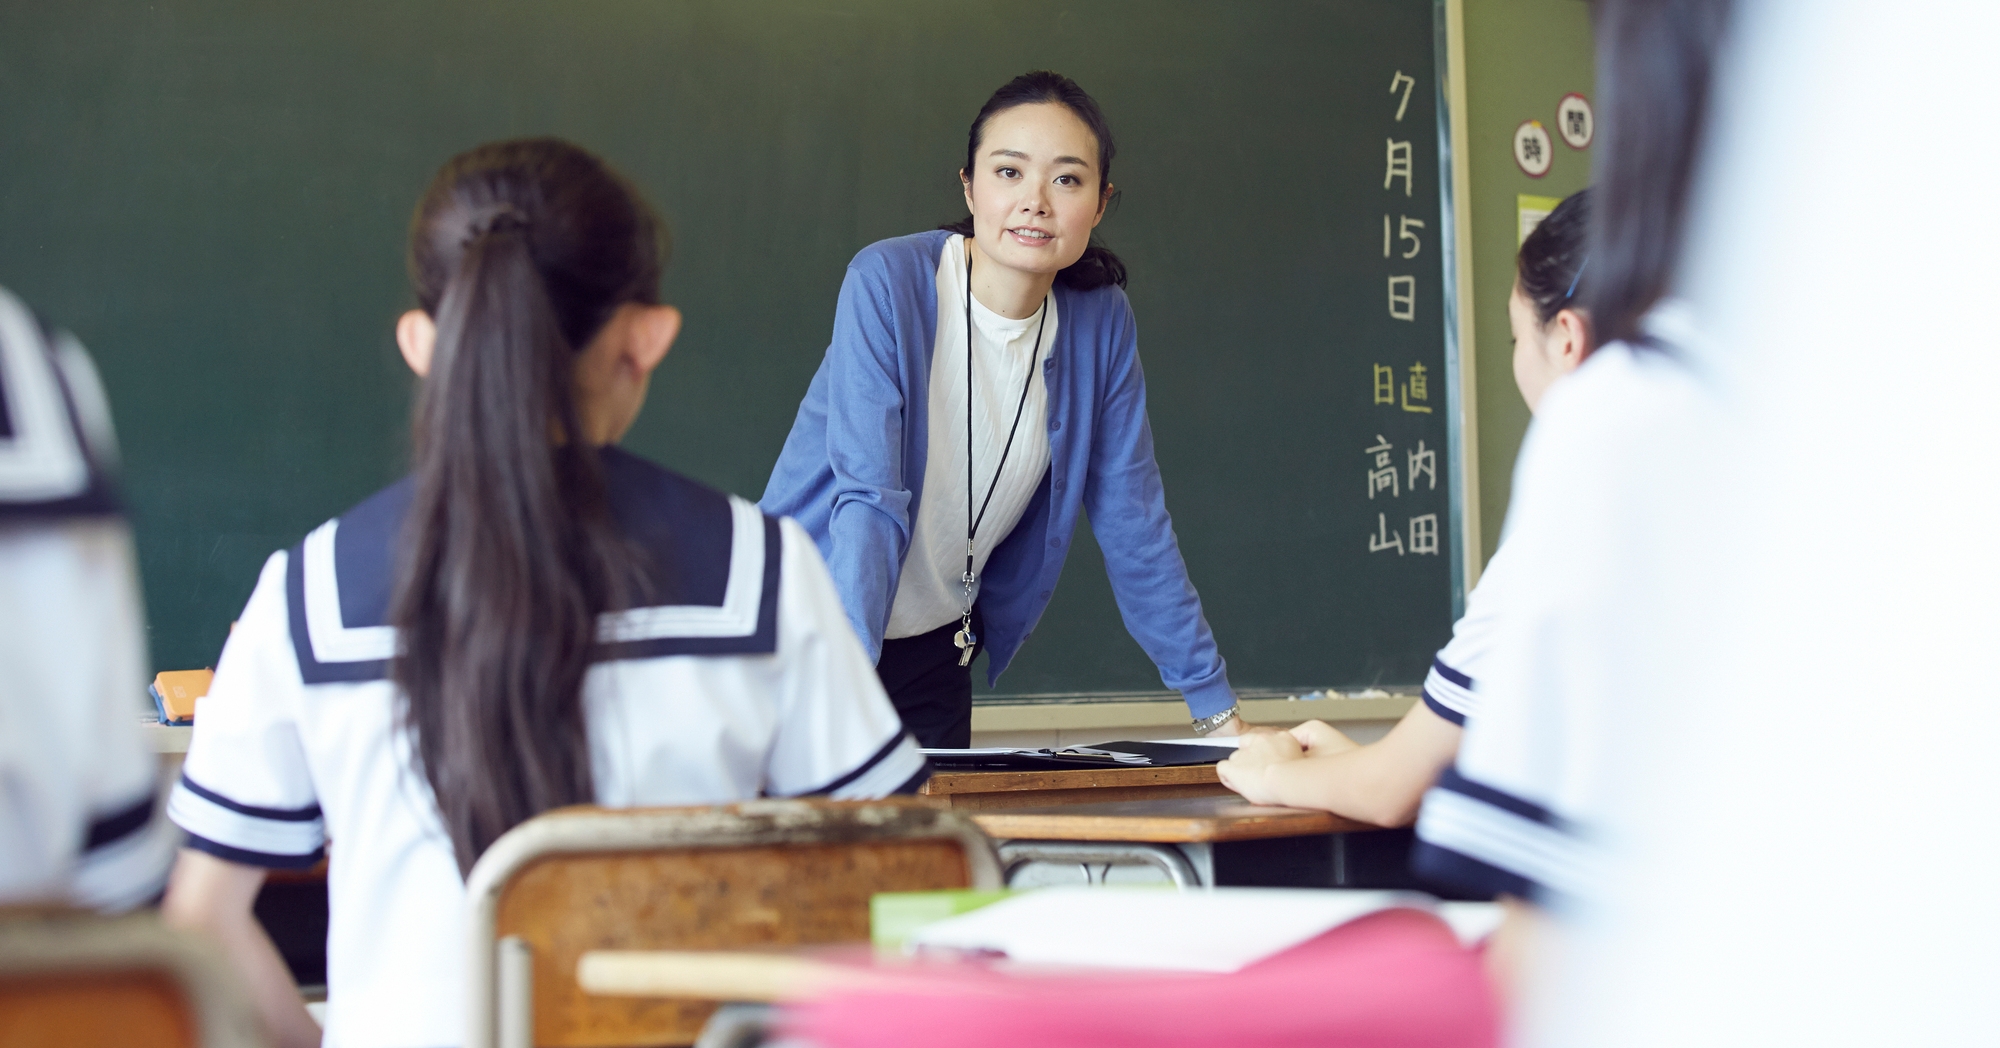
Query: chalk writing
[[1384, 474], [1404, 81], [1402, 166], [1403, 298], [1423, 462], [1383, 537], [1417, 389], [1423, 534]]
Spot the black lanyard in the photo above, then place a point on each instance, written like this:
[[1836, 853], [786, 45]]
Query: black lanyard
[[964, 638]]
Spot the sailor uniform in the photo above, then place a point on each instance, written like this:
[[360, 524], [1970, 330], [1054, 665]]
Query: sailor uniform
[[1451, 687], [1519, 811], [78, 783], [739, 678]]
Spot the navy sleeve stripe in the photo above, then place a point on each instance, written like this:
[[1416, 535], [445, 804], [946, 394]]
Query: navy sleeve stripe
[[880, 755], [115, 827], [1450, 674], [1456, 783], [1443, 710], [246, 857], [915, 782], [863, 769], [1466, 875], [306, 814]]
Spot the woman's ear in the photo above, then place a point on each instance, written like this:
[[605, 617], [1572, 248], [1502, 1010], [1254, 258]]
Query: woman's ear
[[416, 335], [965, 183], [1570, 341], [654, 329], [1103, 202]]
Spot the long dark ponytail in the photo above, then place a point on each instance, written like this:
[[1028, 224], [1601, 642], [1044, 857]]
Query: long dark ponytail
[[1655, 66], [521, 251], [1098, 266]]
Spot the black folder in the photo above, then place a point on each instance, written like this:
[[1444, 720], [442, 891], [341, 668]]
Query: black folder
[[1153, 754]]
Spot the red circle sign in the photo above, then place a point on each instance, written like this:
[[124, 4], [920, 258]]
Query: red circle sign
[[1576, 122], [1533, 149]]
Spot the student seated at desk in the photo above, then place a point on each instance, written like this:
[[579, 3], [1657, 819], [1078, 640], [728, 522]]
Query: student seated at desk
[[1316, 766], [78, 783], [533, 619]]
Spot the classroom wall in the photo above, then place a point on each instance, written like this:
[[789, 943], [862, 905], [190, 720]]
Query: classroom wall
[[1521, 57]]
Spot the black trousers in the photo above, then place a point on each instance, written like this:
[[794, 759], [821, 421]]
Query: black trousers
[[930, 690]]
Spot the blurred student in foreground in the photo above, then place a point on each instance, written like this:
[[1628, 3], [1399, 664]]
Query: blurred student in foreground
[[535, 618], [77, 781], [1797, 809], [1315, 765]]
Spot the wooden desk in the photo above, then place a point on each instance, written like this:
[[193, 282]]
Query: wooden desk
[[974, 791], [1205, 841], [1176, 820]]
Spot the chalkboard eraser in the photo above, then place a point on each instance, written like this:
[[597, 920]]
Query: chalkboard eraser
[[174, 693]]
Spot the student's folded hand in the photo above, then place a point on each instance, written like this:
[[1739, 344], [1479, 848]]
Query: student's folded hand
[[1245, 772], [1321, 739]]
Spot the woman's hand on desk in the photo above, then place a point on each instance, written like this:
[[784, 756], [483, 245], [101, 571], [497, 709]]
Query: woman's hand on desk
[[1239, 727]]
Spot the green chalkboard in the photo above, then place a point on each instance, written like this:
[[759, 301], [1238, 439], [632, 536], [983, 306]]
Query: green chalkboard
[[213, 195]]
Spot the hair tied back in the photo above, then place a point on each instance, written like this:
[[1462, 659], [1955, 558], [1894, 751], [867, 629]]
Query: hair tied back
[[500, 218]]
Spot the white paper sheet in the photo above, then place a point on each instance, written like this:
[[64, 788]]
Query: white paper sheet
[[1220, 930]]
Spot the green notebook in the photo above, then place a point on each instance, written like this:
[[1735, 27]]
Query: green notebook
[[892, 916]]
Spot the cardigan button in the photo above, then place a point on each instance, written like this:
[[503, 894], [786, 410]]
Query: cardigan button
[[1055, 543], [1055, 424]]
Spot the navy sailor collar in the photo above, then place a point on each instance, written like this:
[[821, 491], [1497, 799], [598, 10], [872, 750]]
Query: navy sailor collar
[[711, 563]]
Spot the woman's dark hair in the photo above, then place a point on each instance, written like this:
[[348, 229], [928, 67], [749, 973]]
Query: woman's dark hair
[[1550, 266], [521, 251], [1654, 64], [1098, 266]]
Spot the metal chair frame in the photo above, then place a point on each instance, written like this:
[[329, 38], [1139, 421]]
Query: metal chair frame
[[35, 943], [499, 984]]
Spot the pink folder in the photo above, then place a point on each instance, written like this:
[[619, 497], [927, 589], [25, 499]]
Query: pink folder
[[1397, 979]]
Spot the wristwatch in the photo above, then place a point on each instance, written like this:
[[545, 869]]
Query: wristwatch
[[1204, 725]]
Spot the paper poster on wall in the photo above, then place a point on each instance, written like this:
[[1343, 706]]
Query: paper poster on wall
[[1529, 212], [1533, 150]]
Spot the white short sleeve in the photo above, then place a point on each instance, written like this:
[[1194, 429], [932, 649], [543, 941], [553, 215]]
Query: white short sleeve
[[1451, 688], [246, 794], [1515, 813], [838, 735], [78, 784]]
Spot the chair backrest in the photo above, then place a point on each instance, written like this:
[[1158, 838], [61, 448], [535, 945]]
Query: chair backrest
[[76, 980], [771, 872]]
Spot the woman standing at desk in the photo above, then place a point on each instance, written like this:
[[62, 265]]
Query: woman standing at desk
[[981, 388]]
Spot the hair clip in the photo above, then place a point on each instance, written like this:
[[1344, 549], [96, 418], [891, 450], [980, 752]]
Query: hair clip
[[1571, 293]]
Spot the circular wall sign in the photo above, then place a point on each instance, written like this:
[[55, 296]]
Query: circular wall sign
[[1532, 148], [1575, 121]]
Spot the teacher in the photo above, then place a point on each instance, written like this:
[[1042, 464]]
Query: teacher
[[982, 387]]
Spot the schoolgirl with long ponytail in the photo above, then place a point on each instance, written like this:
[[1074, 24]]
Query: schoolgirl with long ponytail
[[521, 251], [533, 618]]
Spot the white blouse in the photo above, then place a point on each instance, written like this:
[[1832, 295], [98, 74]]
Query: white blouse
[[931, 592]]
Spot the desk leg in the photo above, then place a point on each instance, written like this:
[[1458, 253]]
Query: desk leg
[[1202, 858], [1169, 860]]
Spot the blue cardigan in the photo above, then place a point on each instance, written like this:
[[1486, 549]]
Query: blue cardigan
[[852, 470]]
